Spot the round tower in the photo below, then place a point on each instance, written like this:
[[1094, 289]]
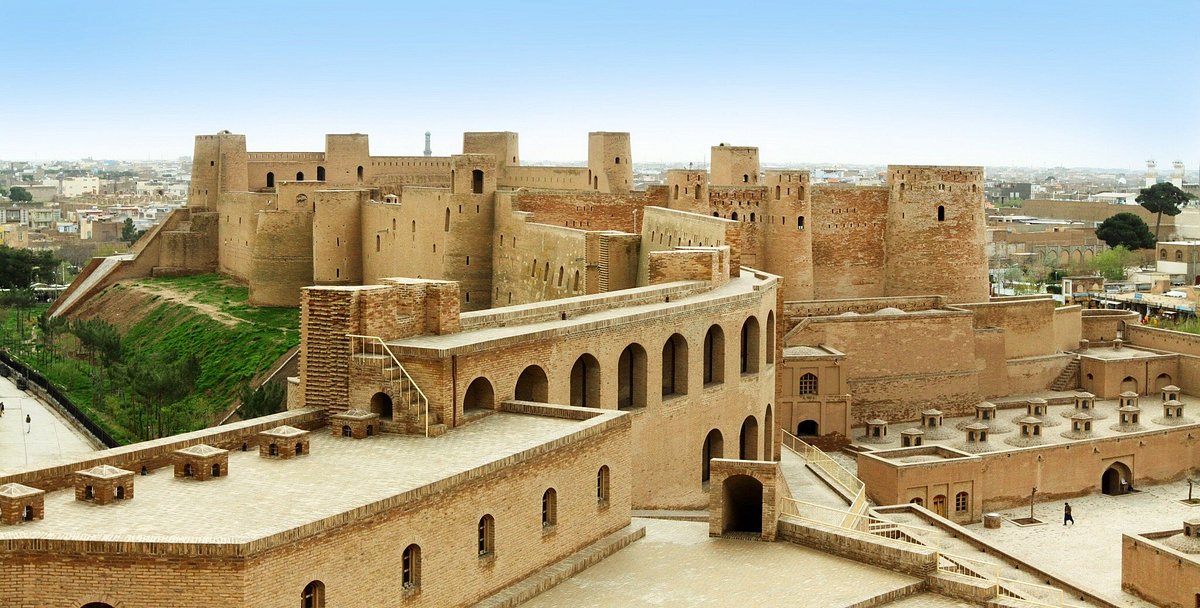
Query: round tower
[[935, 234], [611, 161]]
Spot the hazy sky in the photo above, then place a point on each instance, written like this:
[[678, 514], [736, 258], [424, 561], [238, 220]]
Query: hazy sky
[[1076, 83]]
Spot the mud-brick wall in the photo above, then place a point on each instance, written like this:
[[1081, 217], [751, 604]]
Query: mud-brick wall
[[282, 260], [847, 241]]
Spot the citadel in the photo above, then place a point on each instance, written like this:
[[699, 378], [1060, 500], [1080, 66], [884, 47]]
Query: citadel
[[504, 369]]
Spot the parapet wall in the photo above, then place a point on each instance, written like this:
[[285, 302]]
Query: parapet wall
[[588, 210], [666, 229]]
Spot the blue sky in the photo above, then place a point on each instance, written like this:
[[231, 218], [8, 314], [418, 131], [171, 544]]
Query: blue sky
[[1075, 83]]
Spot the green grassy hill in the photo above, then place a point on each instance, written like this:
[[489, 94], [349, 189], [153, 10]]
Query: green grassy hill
[[165, 319]]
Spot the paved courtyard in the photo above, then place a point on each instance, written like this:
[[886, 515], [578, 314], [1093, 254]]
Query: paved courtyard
[[1088, 554], [50, 439], [678, 564]]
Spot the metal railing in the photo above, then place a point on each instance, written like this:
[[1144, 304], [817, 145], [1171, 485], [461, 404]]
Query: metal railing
[[1024, 592], [374, 348], [840, 475]]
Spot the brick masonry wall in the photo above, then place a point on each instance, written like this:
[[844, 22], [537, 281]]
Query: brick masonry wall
[[847, 244]]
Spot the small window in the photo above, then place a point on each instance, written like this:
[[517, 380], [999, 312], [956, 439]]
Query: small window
[[299, 176], [549, 508], [477, 181], [1179, 256], [377, 243], [617, 160], [487, 536], [410, 567], [1162, 254], [320, 174], [270, 179], [808, 384], [941, 213], [960, 502], [313, 595], [745, 178], [602, 485], [800, 222]]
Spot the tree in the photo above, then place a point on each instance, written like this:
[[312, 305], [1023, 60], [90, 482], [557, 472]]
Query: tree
[[19, 195], [1127, 230], [1163, 198], [21, 267], [1112, 263], [129, 234], [268, 399]]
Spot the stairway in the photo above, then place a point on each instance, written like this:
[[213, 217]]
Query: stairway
[[1069, 378], [410, 406]]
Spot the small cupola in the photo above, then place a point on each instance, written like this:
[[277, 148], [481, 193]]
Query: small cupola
[[283, 442], [103, 484], [1170, 393], [911, 438], [201, 462], [20, 503], [355, 423], [876, 431]]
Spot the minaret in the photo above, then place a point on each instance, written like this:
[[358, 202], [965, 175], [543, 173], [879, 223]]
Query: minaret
[[428, 151], [1151, 173], [1177, 173]]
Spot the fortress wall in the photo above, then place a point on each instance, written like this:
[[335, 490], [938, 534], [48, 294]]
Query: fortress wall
[[989, 360], [284, 170], [1098, 325], [406, 239], [665, 229], [1026, 323], [586, 210], [847, 241], [282, 258], [1067, 327], [862, 306], [687, 190], [1088, 211], [337, 236], [237, 225], [935, 233], [558, 178], [1162, 339], [468, 258], [394, 171], [734, 165], [748, 206], [535, 262], [898, 365]]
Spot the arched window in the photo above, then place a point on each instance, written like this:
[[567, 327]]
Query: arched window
[[716, 214], [1178, 255], [745, 178], [617, 160], [575, 287], [381, 403], [749, 354], [917, 501], [733, 216], [714, 355], [714, 447], [313, 595], [941, 213], [320, 174], [549, 508], [752, 216], [585, 382], [410, 567], [631, 377], [121, 489], [696, 194], [360, 174], [377, 243], [533, 268], [800, 222], [270, 179], [674, 366], [1162, 254], [216, 470], [446, 222], [546, 271], [532, 385], [477, 181], [299, 176], [560, 276], [487, 535], [748, 439], [808, 384], [479, 395], [676, 191], [776, 192], [602, 485]]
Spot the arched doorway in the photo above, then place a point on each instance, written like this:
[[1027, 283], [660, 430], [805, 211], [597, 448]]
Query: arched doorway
[[748, 441], [532, 385], [585, 382], [631, 377], [808, 428], [479, 396], [381, 403], [742, 505], [714, 447], [1116, 480], [1162, 381], [938, 504], [1129, 384]]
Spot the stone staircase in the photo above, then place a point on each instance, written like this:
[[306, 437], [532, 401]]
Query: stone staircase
[[410, 407], [1069, 378]]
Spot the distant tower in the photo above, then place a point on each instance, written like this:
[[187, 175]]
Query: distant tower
[[428, 150], [1177, 173], [1151, 173]]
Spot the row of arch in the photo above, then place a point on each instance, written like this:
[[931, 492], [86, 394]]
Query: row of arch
[[576, 284], [632, 370], [755, 218]]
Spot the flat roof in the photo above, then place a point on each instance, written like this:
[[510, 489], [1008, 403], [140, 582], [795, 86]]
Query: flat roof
[[484, 338], [265, 496]]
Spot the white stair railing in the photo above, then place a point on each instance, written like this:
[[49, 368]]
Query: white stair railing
[[364, 348]]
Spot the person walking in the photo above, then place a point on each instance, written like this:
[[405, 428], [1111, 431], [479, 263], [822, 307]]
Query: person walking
[[1, 409], [28, 424], [1067, 514]]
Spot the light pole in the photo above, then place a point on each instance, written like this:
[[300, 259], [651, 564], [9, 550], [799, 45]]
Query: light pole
[[1032, 493]]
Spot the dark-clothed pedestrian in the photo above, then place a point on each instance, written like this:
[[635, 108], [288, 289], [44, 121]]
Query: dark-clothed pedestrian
[[1067, 514], [28, 423]]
